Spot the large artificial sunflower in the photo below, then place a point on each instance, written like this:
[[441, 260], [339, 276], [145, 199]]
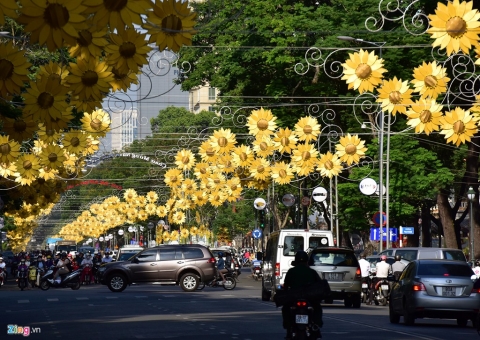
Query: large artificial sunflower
[[128, 51], [223, 141], [123, 80], [90, 78], [207, 152], [96, 123], [261, 123], [202, 170], [90, 43], [92, 145], [260, 169], [53, 22], [170, 24], [178, 217], [13, 69], [8, 8], [282, 173], [9, 150], [184, 159], [329, 165], [173, 178], [458, 126], [225, 164], [7, 170], [19, 129], [363, 71], [430, 80], [52, 156], [263, 146], [424, 115], [217, 197], [152, 196], [55, 73], [189, 186], [350, 149], [234, 188], [28, 168], [304, 159], [285, 140], [395, 96], [454, 26], [307, 129], [45, 100], [87, 105], [242, 156], [75, 141], [200, 198], [120, 14]]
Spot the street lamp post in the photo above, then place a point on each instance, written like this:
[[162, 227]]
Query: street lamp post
[[471, 196], [150, 226], [387, 166]]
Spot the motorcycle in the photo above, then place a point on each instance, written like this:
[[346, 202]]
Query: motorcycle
[[69, 280], [230, 282], [382, 292], [303, 327], [32, 275], [95, 272], [86, 277], [365, 288], [22, 278], [257, 272]]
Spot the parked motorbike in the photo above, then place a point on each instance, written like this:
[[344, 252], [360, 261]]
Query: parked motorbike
[[230, 282], [303, 327], [87, 275], [22, 278], [69, 280], [257, 272]]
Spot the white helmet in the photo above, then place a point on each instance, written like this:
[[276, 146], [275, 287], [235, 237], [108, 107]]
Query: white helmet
[[1, 258]]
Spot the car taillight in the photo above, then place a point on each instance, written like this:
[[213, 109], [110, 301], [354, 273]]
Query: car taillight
[[212, 260], [418, 286], [301, 303], [277, 269], [358, 273], [475, 290]]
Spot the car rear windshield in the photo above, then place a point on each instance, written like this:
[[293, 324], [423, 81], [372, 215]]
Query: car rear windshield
[[408, 255], [326, 258], [454, 255], [126, 256], [444, 269]]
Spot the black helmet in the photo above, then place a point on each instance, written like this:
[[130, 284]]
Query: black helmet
[[398, 257], [220, 254], [62, 255], [300, 257]]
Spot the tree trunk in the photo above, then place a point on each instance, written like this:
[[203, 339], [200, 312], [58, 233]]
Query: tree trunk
[[444, 211]]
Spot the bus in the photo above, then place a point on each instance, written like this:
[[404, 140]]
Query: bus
[[66, 246]]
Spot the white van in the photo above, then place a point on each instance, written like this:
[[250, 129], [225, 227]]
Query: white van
[[282, 245], [127, 251], [425, 253]]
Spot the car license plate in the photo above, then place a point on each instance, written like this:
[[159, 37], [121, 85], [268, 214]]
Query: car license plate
[[303, 319], [364, 285], [448, 291], [333, 276], [385, 287], [257, 271]]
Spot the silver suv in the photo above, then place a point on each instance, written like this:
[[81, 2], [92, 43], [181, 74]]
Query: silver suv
[[182, 264], [340, 268]]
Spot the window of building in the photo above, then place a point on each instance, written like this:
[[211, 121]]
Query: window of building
[[211, 109], [211, 93]]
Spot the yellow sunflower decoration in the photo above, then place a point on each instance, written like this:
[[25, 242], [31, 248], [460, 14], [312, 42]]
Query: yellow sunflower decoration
[[363, 71], [28, 167], [217, 198], [350, 149], [263, 146], [178, 217], [90, 78], [47, 173], [261, 123], [97, 122], [202, 170], [166, 236], [13, 69], [200, 198], [285, 140], [424, 115], [189, 186], [53, 22], [152, 196], [19, 129], [55, 73], [223, 141], [307, 129], [130, 195], [52, 156], [75, 141], [329, 165], [260, 169], [454, 26], [430, 80], [8, 8], [233, 188], [9, 149], [282, 173], [161, 211], [90, 42], [123, 80], [394, 96], [127, 51], [458, 126], [242, 156], [184, 233], [207, 152], [7, 170], [304, 159], [170, 24], [120, 14], [173, 178], [184, 160]]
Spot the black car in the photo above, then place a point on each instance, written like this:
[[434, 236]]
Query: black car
[[182, 264]]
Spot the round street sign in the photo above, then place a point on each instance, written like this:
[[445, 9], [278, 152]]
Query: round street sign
[[376, 219], [259, 203], [368, 186], [305, 201], [288, 200], [257, 233], [319, 194]]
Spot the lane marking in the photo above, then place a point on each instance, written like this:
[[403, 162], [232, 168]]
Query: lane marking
[[23, 301], [111, 297], [86, 298], [50, 300]]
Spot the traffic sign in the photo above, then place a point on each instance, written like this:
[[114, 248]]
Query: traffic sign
[[259, 203], [288, 200], [375, 234], [257, 233], [368, 186], [407, 230], [319, 194], [305, 201], [376, 219]]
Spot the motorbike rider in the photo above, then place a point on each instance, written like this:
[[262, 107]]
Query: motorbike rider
[[87, 260], [79, 258], [221, 267], [22, 265], [383, 270], [107, 258], [297, 277], [256, 263], [63, 266], [49, 261], [476, 269], [398, 266], [364, 266], [3, 267]]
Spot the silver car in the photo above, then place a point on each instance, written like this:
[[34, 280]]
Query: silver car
[[443, 289]]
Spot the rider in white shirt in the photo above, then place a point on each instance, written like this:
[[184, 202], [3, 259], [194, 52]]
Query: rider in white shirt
[[476, 269], [364, 266], [87, 260], [383, 270], [3, 266], [107, 258]]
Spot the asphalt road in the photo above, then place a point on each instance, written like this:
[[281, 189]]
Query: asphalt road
[[166, 312]]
